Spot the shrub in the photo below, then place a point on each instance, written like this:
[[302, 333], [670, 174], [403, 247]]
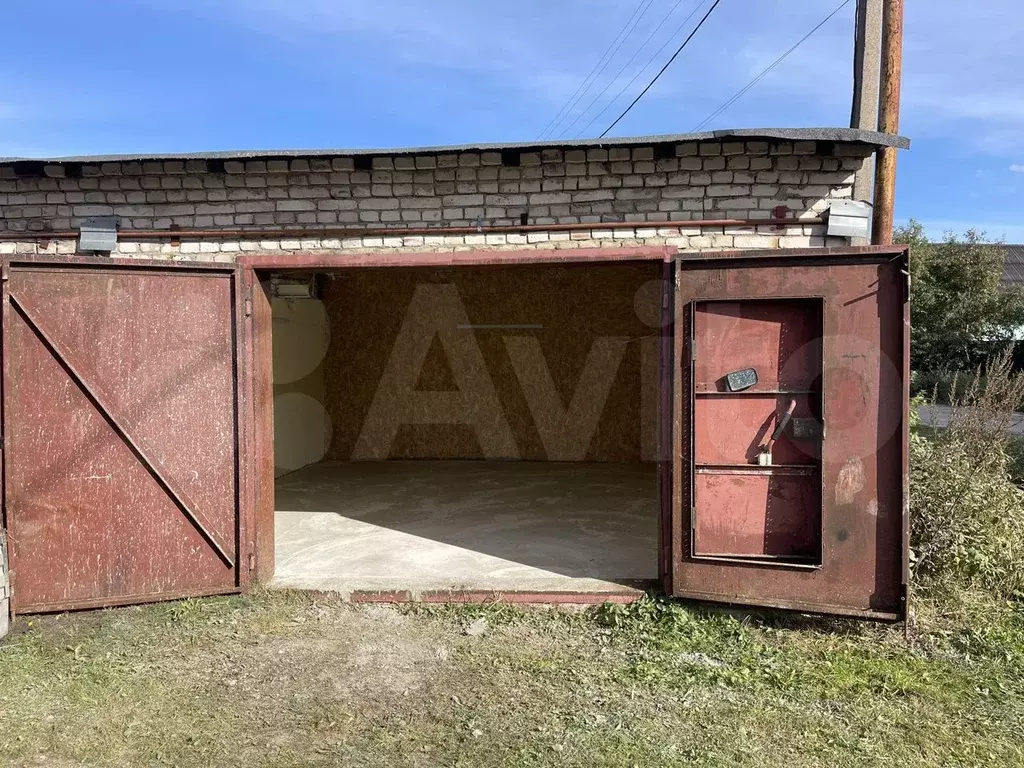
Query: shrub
[[940, 386], [967, 513], [960, 310]]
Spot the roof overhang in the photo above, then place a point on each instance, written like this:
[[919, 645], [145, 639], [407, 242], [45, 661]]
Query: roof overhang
[[871, 139]]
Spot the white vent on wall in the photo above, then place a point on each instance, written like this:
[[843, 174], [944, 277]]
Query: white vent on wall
[[849, 218], [98, 234]]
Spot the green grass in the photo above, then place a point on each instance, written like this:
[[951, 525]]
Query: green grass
[[285, 679]]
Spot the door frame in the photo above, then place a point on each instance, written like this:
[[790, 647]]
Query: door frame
[[680, 424], [259, 360], [243, 439], [690, 404]]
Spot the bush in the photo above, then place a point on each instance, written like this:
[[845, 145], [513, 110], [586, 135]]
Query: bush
[[960, 311], [941, 386], [967, 513]]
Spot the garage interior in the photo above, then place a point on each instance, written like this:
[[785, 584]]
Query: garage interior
[[467, 428]]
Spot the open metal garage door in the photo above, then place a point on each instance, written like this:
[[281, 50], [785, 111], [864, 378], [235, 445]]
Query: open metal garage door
[[790, 430], [120, 411]]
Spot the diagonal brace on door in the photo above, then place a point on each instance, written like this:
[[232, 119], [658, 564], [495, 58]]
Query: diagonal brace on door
[[142, 452]]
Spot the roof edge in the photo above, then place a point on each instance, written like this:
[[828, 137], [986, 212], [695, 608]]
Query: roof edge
[[838, 135]]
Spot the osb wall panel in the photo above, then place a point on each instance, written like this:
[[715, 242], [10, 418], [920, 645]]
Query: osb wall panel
[[559, 348]]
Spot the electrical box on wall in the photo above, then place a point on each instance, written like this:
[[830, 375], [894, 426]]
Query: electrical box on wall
[[849, 218]]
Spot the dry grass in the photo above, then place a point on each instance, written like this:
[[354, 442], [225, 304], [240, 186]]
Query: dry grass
[[284, 679]]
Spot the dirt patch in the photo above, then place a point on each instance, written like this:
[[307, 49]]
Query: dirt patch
[[350, 653], [284, 679], [389, 666], [386, 615]]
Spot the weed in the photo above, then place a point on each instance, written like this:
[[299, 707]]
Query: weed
[[967, 514]]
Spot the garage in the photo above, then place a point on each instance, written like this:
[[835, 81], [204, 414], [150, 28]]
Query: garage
[[531, 372], [470, 428]]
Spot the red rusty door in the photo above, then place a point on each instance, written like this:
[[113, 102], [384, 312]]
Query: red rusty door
[[120, 412], [790, 430]]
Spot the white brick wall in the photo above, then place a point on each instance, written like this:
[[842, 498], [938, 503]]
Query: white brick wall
[[643, 184]]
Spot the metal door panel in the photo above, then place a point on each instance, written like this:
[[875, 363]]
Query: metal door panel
[[863, 465], [765, 512], [722, 420], [785, 354], [121, 433]]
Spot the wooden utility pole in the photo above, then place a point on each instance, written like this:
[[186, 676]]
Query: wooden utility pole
[[867, 74], [888, 120]]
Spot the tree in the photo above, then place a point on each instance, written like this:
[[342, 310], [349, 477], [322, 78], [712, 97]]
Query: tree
[[959, 311]]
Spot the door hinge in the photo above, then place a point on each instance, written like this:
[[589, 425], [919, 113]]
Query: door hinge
[[252, 562], [693, 349], [248, 307], [6, 592], [5, 582]]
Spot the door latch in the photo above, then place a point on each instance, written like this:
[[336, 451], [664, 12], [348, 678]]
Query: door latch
[[764, 456]]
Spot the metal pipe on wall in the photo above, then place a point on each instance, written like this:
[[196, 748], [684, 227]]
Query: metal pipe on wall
[[302, 233]]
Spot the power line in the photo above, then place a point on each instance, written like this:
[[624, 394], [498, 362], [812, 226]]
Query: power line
[[609, 59], [640, 71], [642, 7], [662, 70], [632, 58], [768, 69], [554, 121]]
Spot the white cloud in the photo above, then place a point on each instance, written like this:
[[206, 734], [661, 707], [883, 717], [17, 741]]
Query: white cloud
[[503, 69], [1017, 168], [504, 50], [962, 73], [446, 38]]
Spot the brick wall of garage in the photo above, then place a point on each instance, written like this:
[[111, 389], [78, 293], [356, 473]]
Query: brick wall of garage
[[385, 202]]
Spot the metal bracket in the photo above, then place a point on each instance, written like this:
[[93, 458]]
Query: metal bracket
[[807, 429], [5, 587]]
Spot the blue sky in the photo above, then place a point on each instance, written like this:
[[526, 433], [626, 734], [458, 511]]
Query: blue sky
[[111, 76]]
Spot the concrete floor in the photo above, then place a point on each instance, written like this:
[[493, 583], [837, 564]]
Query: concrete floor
[[502, 526]]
